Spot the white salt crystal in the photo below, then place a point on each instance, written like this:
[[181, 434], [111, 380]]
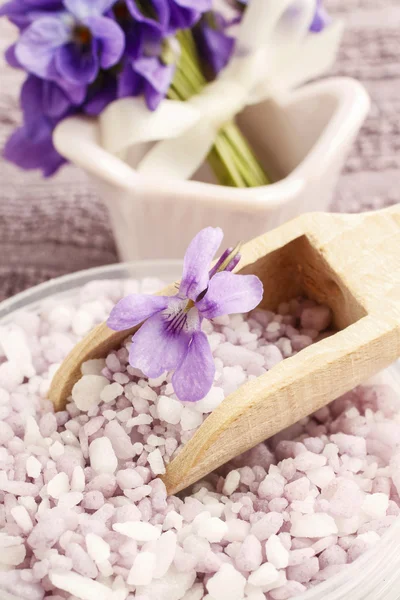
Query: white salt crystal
[[82, 322], [232, 355], [111, 392], [32, 433], [93, 367], [11, 376], [129, 479], [70, 499], [56, 450], [156, 462], [226, 584], [172, 586], [60, 317], [165, 552], [212, 529], [12, 556], [17, 351], [78, 480], [86, 391], [231, 483], [22, 518], [120, 440], [139, 420], [267, 525], [138, 530], [313, 526], [169, 410], [265, 575], [102, 456], [308, 460], [142, 571], [190, 419], [350, 444], [33, 467], [237, 530], [321, 476], [155, 440], [58, 485], [211, 401], [375, 505], [79, 586], [173, 520], [9, 540], [276, 553], [97, 548]]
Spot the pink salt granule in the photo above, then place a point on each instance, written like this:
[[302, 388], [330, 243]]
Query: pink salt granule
[[84, 514]]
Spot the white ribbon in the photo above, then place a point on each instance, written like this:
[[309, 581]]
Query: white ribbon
[[274, 53]]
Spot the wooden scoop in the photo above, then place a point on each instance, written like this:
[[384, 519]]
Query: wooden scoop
[[350, 263]]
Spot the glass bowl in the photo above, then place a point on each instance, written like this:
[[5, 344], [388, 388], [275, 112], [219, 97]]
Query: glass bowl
[[373, 576]]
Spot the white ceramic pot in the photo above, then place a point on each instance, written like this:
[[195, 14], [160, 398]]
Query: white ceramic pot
[[302, 140]]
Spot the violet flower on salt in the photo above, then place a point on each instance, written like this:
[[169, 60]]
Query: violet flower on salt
[[171, 338]]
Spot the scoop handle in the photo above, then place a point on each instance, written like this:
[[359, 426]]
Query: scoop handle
[[352, 264]]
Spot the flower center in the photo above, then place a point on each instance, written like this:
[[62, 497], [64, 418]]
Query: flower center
[[82, 35], [121, 11]]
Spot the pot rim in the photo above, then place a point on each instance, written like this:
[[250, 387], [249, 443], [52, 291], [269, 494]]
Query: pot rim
[[352, 105]]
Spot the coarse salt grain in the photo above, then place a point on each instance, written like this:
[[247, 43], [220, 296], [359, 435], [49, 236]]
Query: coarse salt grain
[[139, 531], [86, 392], [276, 553], [231, 483], [33, 467], [313, 526], [226, 584], [58, 485], [156, 462], [102, 456]]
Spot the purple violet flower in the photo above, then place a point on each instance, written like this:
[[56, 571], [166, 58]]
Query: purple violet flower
[[171, 338], [183, 14], [73, 44], [215, 46], [23, 12], [44, 104]]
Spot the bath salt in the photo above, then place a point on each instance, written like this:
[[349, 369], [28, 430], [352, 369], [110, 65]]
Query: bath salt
[[84, 511]]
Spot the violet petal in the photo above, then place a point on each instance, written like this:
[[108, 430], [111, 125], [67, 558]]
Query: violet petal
[[111, 38], [198, 257], [155, 349], [158, 75], [229, 293], [88, 8], [134, 309], [193, 378], [36, 46], [78, 65]]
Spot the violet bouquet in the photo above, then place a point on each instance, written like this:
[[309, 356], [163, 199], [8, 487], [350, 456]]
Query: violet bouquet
[[172, 73]]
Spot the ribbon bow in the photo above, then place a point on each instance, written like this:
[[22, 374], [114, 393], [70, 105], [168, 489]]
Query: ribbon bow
[[274, 52]]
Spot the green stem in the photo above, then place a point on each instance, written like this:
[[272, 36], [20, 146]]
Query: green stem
[[231, 158]]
